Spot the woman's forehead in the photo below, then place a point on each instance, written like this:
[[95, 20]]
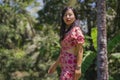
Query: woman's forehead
[[69, 11]]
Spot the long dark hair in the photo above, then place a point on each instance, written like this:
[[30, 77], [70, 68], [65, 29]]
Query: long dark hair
[[63, 25]]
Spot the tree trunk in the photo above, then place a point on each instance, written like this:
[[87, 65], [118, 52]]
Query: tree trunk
[[102, 63]]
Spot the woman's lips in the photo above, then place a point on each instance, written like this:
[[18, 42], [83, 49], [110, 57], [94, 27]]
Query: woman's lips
[[67, 20]]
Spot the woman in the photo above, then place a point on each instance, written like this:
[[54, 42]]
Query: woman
[[71, 39]]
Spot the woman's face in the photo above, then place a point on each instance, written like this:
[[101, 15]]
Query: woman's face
[[69, 17]]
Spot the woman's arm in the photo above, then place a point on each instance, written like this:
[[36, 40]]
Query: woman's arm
[[57, 62], [79, 51], [54, 66]]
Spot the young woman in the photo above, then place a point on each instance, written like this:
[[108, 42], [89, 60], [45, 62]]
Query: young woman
[[71, 40]]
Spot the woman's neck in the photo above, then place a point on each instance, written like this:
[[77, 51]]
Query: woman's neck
[[67, 26]]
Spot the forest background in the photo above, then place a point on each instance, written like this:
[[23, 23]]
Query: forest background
[[29, 38]]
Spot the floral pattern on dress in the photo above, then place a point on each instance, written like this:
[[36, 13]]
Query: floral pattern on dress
[[68, 60]]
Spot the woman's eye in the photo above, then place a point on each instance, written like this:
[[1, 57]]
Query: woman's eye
[[68, 14]]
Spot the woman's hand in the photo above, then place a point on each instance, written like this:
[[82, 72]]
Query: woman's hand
[[77, 74], [52, 68]]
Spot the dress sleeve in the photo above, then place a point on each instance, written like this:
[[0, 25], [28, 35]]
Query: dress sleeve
[[76, 36]]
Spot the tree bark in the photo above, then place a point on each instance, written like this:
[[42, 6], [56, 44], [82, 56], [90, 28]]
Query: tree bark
[[102, 63]]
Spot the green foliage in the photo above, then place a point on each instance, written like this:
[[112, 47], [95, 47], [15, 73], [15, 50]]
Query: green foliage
[[14, 24], [112, 3], [114, 70], [115, 56], [12, 61], [113, 43], [49, 44], [94, 37], [88, 60]]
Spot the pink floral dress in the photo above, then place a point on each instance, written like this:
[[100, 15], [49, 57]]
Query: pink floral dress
[[68, 60]]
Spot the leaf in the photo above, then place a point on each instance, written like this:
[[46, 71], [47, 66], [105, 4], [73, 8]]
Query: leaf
[[87, 60], [113, 43], [94, 37], [116, 55]]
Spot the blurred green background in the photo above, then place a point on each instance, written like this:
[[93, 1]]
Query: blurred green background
[[29, 38]]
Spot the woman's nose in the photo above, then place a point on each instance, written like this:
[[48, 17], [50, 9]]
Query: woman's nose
[[67, 16]]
